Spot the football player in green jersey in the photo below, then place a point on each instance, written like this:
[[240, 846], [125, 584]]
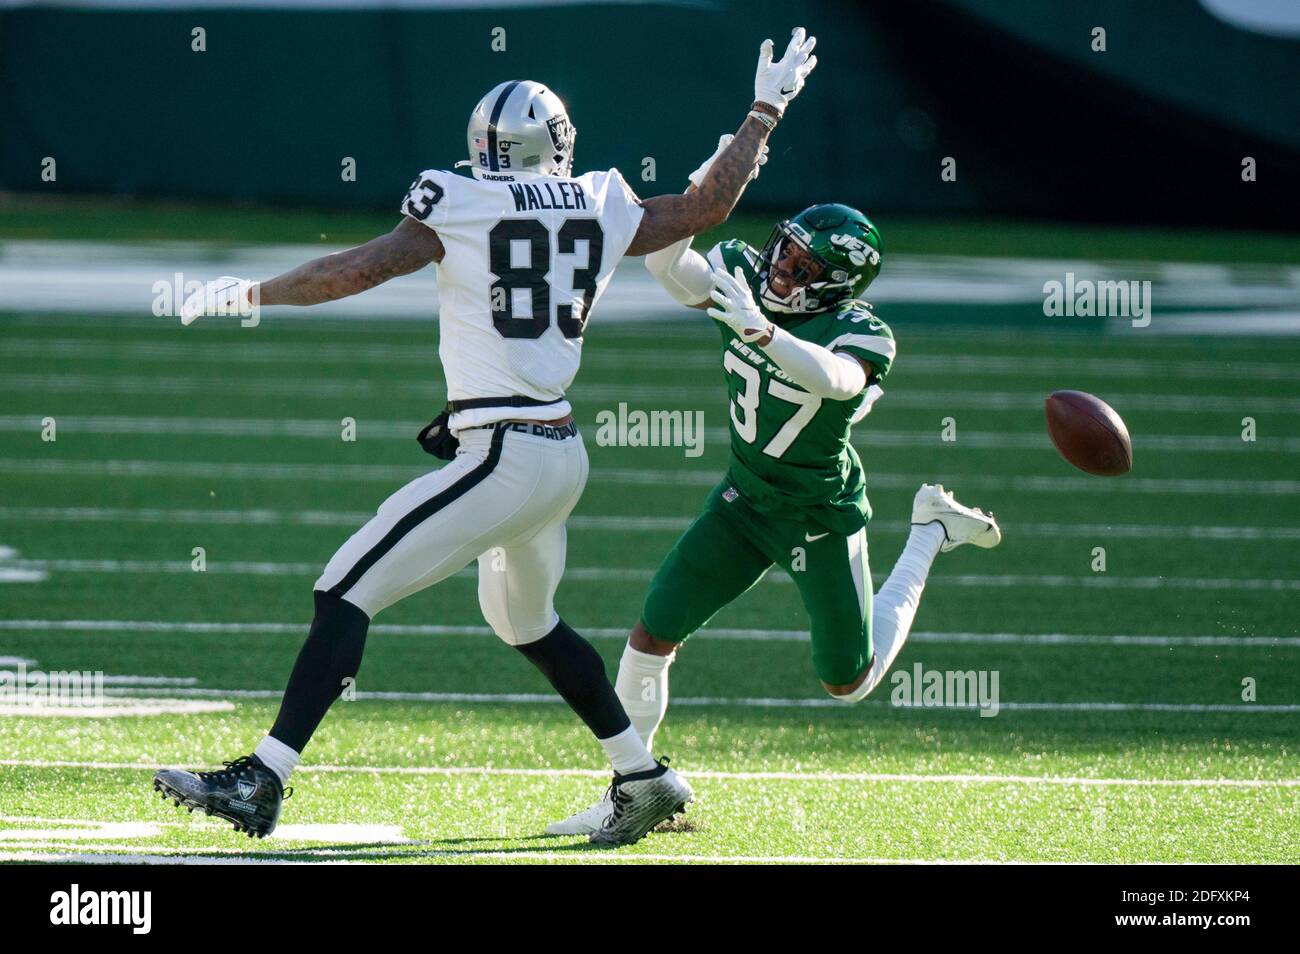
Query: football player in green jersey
[[804, 358]]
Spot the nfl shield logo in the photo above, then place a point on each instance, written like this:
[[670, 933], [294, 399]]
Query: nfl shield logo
[[246, 790], [730, 494]]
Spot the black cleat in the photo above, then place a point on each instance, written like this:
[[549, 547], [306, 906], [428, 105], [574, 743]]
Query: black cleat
[[640, 801], [245, 793]]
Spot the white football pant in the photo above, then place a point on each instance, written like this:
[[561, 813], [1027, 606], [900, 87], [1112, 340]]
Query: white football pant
[[503, 500]]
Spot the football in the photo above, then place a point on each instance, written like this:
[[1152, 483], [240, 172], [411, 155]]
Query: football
[[1088, 433]]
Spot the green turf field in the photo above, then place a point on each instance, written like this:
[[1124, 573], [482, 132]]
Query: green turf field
[[1122, 733]]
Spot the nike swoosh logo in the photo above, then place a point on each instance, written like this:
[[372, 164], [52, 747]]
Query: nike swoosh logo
[[809, 538], [788, 92]]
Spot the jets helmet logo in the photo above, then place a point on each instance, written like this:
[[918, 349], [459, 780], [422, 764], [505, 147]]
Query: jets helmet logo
[[859, 251]]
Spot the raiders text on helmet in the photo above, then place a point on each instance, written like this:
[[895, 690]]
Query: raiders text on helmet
[[520, 127]]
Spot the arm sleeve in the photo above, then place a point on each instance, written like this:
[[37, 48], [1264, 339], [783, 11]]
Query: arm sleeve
[[876, 350], [816, 369], [683, 272]]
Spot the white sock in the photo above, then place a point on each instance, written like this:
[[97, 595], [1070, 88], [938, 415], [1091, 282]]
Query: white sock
[[894, 606], [627, 753], [642, 687], [278, 757]]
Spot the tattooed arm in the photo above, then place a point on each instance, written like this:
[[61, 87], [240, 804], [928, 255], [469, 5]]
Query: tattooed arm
[[405, 249], [684, 273], [670, 218]]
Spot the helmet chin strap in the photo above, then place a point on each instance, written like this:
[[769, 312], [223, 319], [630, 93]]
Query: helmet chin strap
[[792, 304], [796, 303]]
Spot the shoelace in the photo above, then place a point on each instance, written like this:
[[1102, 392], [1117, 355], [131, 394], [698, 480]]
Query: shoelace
[[620, 800], [232, 771]]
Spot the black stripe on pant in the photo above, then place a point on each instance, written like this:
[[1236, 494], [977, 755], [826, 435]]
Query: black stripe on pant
[[422, 513]]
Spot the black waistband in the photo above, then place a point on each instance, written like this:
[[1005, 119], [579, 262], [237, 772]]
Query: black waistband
[[537, 429], [515, 400]]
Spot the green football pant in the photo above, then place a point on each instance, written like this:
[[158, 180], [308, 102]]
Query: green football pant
[[728, 549]]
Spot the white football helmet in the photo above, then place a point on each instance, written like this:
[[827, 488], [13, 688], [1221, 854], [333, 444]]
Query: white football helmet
[[520, 128]]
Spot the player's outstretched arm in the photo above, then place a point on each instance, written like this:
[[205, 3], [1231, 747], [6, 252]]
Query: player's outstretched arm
[[670, 218], [829, 374], [684, 273], [407, 248]]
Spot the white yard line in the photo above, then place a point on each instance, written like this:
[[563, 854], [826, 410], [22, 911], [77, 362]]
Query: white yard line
[[905, 778], [8, 664], [330, 429], [647, 395], [118, 707], [108, 856], [593, 574], [620, 632], [11, 575], [170, 515], [622, 357], [204, 470], [1019, 484], [388, 473], [610, 523], [742, 702], [80, 831]]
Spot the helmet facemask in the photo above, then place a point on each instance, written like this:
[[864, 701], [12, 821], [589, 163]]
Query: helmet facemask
[[813, 288]]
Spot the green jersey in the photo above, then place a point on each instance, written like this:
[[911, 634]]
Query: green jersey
[[790, 450]]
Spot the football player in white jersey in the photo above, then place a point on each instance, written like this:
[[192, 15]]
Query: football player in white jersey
[[523, 251]]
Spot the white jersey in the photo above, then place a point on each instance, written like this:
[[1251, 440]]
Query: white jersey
[[525, 263]]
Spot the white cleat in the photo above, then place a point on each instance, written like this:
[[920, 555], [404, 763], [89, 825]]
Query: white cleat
[[586, 822], [639, 802], [961, 524]]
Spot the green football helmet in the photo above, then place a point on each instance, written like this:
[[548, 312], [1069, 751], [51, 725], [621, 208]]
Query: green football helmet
[[844, 250]]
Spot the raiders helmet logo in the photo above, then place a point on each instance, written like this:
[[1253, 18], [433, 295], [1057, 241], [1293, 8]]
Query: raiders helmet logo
[[561, 131]]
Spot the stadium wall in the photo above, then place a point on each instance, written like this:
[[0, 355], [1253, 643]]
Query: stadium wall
[[281, 96]]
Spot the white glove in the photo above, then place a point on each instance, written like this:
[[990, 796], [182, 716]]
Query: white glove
[[736, 307], [778, 83], [697, 177], [225, 296]]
